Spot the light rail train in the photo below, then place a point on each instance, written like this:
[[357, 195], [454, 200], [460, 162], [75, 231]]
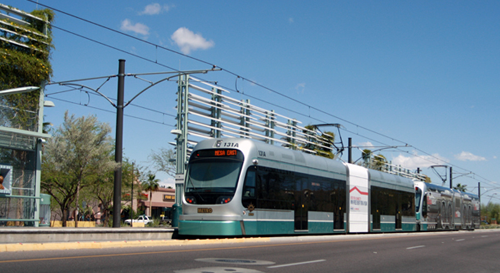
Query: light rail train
[[244, 187]]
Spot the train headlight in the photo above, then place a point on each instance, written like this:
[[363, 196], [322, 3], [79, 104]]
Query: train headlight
[[191, 200], [223, 199]]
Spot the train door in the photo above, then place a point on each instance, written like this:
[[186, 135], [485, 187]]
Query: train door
[[339, 206], [441, 216], [451, 217], [464, 214], [302, 201], [398, 220]]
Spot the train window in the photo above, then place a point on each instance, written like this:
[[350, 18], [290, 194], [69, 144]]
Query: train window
[[418, 196], [271, 188], [391, 202]]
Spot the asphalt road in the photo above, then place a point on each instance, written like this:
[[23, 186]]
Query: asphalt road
[[477, 251]]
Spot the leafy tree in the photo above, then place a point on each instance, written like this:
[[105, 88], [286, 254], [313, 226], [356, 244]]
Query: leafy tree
[[427, 179], [460, 187], [27, 65], [378, 162], [151, 184], [372, 161], [22, 66], [366, 155], [102, 188], [164, 161], [326, 139], [322, 144], [490, 211], [75, 157]]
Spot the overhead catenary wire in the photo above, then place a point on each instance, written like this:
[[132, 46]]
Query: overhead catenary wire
[[113, 112]]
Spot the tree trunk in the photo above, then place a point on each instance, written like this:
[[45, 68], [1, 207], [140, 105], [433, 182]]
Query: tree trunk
[[150, 208], [64, 219], [106, 217], [77, 202]]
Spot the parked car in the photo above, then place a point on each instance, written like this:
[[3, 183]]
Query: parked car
[[141, 219]]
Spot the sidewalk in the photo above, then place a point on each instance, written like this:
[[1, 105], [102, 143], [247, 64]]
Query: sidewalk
[[16, 235]]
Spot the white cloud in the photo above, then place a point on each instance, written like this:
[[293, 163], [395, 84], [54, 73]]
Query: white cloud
[[188, 40], [169, 181], [300, 88], [418, 161], [290, 20], [366, 145], [153, 9], [466, 156], [137, 28]]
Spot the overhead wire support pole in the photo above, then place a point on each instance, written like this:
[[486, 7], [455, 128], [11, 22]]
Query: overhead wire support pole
[[119, 147], [181, 145]]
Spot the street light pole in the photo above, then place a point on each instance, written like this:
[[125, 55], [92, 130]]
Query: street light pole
[[119, 146]]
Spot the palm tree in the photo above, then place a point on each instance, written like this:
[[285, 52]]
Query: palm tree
[[151, 184], [460, 187]]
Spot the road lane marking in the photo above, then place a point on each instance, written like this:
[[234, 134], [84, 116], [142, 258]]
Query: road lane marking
[[294, 264], [459, 240], [413, 247]]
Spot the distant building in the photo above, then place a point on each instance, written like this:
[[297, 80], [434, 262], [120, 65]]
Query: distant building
[[162, 202]]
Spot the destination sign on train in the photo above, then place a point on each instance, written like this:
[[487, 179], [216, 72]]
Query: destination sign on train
[[217, 153]]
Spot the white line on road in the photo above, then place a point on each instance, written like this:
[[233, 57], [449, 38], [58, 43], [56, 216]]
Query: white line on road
[[283, 265], [459, 240], [413, 247]]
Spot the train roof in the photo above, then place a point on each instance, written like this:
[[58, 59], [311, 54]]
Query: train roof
[[446, 189], [386, 180]]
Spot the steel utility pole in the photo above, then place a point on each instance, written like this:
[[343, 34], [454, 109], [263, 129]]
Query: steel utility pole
[[181, 145], [117, 200], [451, 178], [349, 155]]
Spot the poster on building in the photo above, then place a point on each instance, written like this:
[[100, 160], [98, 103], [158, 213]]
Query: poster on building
[[5, 179]]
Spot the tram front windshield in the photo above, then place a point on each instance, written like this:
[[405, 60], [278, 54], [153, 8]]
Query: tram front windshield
[[213, 176]]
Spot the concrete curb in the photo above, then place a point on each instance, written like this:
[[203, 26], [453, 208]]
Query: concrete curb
[[121, 244]]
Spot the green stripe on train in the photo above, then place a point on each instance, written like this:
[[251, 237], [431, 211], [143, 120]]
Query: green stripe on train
[[210, 228], [233, 228]]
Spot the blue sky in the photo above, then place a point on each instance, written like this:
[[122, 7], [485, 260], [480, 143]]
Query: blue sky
[[425, 73]]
